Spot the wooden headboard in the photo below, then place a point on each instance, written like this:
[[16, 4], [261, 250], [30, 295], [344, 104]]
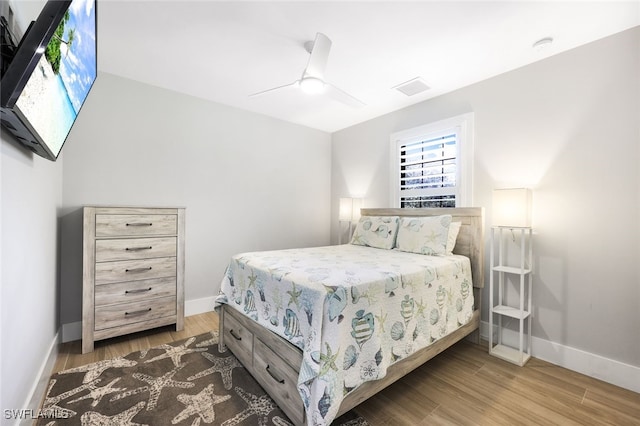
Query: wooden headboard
[[470, 240]]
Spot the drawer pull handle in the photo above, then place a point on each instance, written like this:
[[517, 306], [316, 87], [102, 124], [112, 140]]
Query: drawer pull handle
[[138, 269], [142, 290], [143, 311], [234, 335], [139, 224], [138, 248], [281, 381]]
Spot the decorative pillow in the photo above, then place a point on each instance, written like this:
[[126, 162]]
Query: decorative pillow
[[376, 231], [424, 235], [454, 230]]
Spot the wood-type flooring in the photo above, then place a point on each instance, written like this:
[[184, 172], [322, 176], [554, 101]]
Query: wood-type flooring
[[462, 386]]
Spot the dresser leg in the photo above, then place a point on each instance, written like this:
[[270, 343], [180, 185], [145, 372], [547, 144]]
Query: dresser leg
[[87, 345]]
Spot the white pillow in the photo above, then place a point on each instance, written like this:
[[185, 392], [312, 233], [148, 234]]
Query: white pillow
[[424, 235], [454, 230], [376, 231]]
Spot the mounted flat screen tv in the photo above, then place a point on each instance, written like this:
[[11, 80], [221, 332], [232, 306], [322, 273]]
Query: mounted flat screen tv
[[50, 76]]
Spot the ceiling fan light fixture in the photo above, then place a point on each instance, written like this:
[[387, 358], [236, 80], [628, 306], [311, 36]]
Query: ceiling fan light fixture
[[312, 85], [312, 79]]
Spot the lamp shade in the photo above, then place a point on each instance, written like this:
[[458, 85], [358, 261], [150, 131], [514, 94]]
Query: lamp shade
[[512, 207], [346, 209], [355, 209], [350, 209]]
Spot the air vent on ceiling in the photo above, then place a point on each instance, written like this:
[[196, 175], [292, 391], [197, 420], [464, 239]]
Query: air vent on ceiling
[[412, 87]]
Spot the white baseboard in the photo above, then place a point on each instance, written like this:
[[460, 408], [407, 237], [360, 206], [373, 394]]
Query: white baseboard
[[199, 306], [73, 330], [39, 387], [608, 370]]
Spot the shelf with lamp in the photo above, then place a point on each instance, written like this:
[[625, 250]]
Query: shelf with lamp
[[349, 212], [511, 212]]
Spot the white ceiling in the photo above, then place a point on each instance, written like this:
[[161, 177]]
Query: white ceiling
[[224, 51]]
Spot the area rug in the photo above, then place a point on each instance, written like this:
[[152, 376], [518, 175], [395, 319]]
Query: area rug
[[188, 382]]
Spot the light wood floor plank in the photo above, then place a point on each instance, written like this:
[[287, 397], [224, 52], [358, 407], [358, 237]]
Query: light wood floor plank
[[619, 410], [462, 386], [70, 354]]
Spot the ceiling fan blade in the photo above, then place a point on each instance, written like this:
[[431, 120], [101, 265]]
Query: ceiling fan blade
[[342, 96], [294, 84], [318, 59]]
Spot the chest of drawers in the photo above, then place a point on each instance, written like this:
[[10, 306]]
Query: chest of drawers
[[133, 271]]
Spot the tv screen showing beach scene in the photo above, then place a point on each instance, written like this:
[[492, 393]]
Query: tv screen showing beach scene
[[60, 83]]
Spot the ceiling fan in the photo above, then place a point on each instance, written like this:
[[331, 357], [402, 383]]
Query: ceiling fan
[[312, 80]]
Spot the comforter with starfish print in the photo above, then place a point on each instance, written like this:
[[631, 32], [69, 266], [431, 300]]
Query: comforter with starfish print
[[352, 310]]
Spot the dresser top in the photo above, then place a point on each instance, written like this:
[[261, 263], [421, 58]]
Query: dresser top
[[112, 210]]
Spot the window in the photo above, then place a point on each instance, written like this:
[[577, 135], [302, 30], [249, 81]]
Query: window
[[431, 164]]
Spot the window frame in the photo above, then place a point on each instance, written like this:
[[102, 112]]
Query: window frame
[[463, 126]]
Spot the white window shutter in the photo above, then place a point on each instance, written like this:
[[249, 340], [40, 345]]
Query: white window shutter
[[428, 162]]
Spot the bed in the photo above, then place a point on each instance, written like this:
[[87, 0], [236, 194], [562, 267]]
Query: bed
[[324, 328]]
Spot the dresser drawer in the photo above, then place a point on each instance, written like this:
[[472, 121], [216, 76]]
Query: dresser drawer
[[238, 338], [133, 270], [278, 379], [125, 225], [134, 291], [135, 248], [129, 313]]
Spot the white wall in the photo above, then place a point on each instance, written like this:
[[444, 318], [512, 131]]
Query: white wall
[[31, 197], [569, 127], [248, 182]]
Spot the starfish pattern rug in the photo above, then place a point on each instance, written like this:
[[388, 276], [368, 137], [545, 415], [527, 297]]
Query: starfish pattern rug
[[188, 382]]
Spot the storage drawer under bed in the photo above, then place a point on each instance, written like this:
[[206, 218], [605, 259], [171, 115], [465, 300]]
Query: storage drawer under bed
[[239, 339], [273, 362], [279, 380]]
